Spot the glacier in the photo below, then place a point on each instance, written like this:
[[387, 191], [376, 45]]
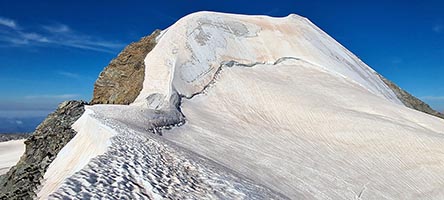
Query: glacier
[[252, 107]]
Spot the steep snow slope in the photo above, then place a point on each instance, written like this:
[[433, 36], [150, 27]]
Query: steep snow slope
[[274, 108]]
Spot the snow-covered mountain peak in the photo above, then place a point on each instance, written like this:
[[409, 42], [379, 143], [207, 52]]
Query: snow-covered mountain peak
[[239, 107], [192, 51]]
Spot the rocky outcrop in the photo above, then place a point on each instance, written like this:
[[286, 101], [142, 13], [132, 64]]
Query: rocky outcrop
[[121, 81], [41, 148], [411, 101]]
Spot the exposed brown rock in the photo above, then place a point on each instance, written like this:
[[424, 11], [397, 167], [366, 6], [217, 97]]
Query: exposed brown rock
[[42, 146], [121, 81], [410, 100]]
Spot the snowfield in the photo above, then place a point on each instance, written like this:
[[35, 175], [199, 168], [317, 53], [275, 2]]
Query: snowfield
[[252, 107], [10, 153]]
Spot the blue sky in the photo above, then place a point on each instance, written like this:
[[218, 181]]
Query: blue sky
[[52, 51]]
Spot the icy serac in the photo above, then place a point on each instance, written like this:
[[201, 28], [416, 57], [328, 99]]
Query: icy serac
[[274, 108]]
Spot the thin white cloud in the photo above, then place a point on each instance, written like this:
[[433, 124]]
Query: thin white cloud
[[59, 35], [57, 28], [52, 96], [438, 28], [8, 23], [68, 74], [20, 38], [34, 37], [433, 98]]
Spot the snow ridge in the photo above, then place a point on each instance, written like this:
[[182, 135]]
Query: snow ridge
[[138, 166]]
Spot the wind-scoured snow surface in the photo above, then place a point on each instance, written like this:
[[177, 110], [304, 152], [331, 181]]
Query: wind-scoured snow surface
[[257, 108]]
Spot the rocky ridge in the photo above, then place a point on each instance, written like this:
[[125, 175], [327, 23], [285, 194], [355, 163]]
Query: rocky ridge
[[121, 81], [410, 100]]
